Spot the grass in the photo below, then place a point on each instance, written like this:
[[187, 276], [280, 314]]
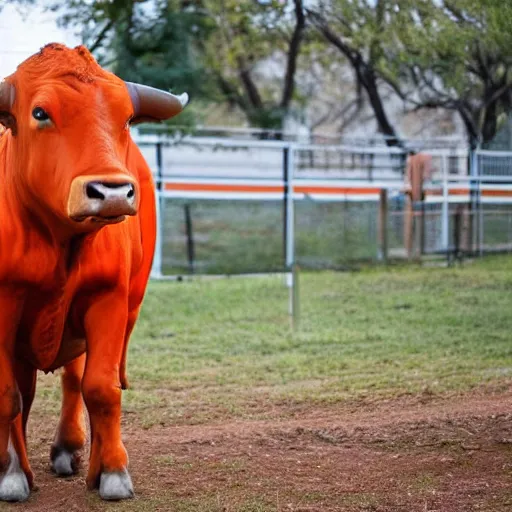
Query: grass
[[224, 348], [219, 349]]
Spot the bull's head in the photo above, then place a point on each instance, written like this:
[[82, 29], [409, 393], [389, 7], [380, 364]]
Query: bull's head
[[70, 119]]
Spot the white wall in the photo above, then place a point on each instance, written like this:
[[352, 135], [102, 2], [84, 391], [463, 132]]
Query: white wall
[[23, 31]]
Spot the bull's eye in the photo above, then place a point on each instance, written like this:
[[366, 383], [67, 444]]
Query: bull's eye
[[40, 114]]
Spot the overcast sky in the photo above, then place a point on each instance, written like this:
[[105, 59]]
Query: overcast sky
[[23, 35]]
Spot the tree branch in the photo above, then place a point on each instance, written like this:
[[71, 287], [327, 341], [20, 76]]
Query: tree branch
[[293, 53], [249, 85], [320, 23], [99, 38], [231, 93]]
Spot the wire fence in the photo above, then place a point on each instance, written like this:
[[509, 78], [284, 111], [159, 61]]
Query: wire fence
[[239, 206]]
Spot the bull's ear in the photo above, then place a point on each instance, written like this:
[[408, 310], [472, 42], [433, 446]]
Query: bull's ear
[[7, 94], [154, 105]]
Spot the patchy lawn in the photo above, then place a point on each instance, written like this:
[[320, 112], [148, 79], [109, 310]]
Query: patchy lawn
[[394, 394]]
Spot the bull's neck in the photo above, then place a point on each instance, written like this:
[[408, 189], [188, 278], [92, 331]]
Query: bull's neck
[[18, 199], [35, 217], [33, 214]]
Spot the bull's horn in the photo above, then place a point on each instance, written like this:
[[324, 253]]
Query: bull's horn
[[150, 104], [7, 94]]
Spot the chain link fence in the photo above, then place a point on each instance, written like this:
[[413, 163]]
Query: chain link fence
[[232, 207]]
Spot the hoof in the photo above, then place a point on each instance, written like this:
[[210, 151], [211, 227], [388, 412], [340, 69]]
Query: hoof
[[116, 486], [14, 484], [64, 463]]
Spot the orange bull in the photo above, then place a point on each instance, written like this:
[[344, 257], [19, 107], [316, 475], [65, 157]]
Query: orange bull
[[77, 239]]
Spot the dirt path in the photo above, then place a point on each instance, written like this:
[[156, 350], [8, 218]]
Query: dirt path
[[411, 454]]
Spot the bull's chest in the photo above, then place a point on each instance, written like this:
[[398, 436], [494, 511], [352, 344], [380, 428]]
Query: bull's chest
[[43, 324]]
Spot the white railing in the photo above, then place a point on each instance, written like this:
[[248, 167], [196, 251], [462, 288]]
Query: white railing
[[229, 169]]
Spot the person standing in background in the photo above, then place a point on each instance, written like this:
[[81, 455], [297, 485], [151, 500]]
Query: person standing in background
[[418, 170]]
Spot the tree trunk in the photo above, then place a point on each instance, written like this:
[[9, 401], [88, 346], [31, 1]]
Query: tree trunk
[[490, 122], [369, 82], [293, 53]]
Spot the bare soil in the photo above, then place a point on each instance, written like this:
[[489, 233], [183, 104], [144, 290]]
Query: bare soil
[[422, 453]]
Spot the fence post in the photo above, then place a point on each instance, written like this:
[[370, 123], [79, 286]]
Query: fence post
[[156, 269], [457, 233], [476, 192], [382, 249], [290, 217], [473, 191], [408, 225], [190, 239], [480, 207], [290, 231], [445, 220], [422, 230], [286, 187], [159, 165]]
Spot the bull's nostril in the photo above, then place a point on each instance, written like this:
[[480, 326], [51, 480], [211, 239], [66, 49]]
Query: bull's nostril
[[131, 192], [93, 192]]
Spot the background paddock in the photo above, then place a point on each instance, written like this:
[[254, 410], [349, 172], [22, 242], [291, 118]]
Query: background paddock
[[391, 396]]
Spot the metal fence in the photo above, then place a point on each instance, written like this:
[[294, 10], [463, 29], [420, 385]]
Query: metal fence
[[230, 206]]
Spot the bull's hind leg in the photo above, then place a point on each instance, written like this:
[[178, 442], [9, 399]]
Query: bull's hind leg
[[71, 434], [19, 479], [26, 377], [15, 474], [16, 477], [105, 326]]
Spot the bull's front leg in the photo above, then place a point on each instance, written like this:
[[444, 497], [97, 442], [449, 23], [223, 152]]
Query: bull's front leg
[[15, 473], [70, 437], [105, 328]]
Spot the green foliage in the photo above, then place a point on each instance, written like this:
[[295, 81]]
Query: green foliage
[[447, 54], [270, 118], [249, 37], [158, 50], [147, 41], [20, 3], [244, 29], [210, 48], [465, 46]]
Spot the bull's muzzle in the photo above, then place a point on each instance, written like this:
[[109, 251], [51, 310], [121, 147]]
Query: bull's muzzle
[[106, 199]]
